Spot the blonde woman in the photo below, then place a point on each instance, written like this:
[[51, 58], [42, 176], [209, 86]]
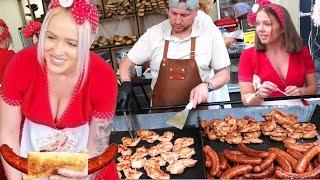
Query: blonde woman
[[66, 94]]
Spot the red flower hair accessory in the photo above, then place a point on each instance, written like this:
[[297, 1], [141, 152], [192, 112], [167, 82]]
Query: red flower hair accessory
[[5, 34], [251, 17], [81, 10], [32, 28]]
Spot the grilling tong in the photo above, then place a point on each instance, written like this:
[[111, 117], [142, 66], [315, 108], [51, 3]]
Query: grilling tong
[[129, 121]]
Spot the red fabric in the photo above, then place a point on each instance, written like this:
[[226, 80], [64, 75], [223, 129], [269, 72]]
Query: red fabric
[[256, 62], [25, 84], [108, 173], [5, 56]]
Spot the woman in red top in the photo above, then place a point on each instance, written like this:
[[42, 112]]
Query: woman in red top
[[66, 94], [279, 59], [5, 54]]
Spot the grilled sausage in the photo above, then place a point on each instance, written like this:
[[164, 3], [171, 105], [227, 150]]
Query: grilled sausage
[[251, 152], [13, 159], [285, 155], [297, 155], [315, 173], [316, 163], [223, 161], [264, 174], [294, 153], [208, 162], [236, 171], [265, 163], [309, 167], [94, 164], [284, 163], [301, 147], [306, 158], [219, 174], [99, 162], [209, 176], [214, 159], [241, 158]]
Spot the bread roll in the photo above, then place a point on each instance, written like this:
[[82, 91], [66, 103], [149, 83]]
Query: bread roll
[[44, 164]]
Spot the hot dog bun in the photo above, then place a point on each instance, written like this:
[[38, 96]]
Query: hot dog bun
[[44, 164]]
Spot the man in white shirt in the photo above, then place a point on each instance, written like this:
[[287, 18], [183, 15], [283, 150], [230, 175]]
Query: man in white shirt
[[182, 51]]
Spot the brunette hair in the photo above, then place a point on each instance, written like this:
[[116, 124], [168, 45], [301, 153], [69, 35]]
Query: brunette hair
[[85, 39], [291, 38]]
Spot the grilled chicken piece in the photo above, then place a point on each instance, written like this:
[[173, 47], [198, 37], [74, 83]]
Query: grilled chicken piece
[[157, 161], [281, 117], [212, 135], [123, 165], [251, 127], [310, 134], [141, 152], [233, 138], [252, 140], [170, 157], [147, 135], [131, 142], [124, 150], [185, 152], [179, 166], [124, 158], [154, 172], [175, 168], [166, 137], [132, 173], [184, 142], [268, 125], [160, 148], [204, 124], [137, 162]]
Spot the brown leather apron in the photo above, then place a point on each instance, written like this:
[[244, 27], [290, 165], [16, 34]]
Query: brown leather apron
[[176, 79]]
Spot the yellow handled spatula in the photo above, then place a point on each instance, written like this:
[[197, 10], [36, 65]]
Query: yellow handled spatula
[[180, 118]]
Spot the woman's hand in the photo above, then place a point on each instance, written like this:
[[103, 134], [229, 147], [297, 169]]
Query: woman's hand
[[266, 89], [199, 94], [68, 174], [292, 91]]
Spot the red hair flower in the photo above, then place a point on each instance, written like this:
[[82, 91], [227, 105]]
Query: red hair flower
[[5, 33], [251, 17], [81, 10], [33, 27]]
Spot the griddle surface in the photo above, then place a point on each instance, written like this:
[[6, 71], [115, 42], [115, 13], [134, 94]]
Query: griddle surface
[[196, 172]]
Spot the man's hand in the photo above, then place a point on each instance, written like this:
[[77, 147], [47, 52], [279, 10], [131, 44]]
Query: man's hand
[[68, 174], [124, 93], [199, 94]]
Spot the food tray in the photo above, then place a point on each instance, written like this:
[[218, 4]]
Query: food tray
[[196, 172], [305, 114]]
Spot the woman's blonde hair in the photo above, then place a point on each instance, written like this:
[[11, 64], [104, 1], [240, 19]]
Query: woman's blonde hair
[[85, 39], [206, 6]]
